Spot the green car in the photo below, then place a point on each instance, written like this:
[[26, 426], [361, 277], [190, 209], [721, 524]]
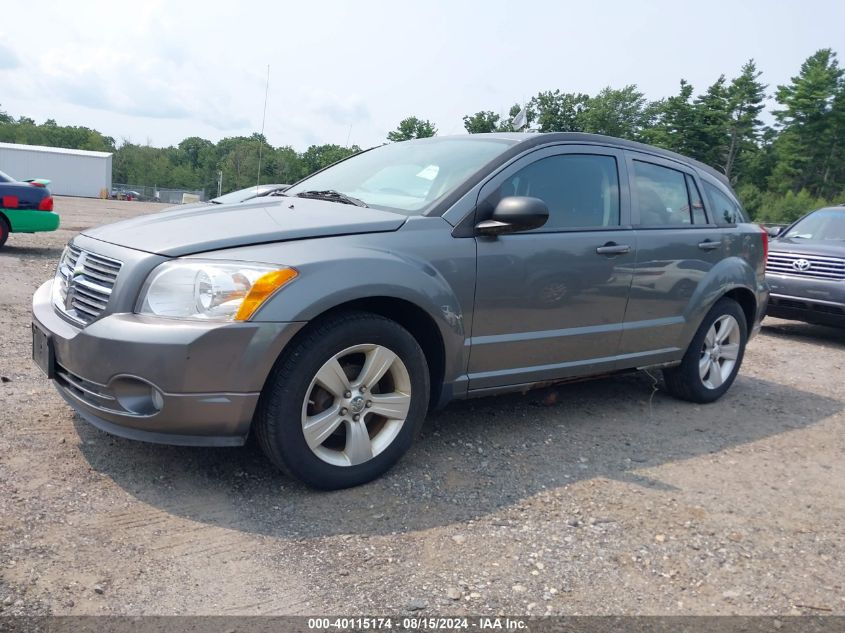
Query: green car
[[25, 207]]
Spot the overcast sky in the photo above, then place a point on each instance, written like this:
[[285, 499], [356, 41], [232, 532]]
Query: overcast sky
[[155, 71]]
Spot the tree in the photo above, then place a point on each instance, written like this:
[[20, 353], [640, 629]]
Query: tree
[[411, 128], [811, 127], [481, 122], [745, 103], [318, 156], [557, 111], [622, 113], [674, 121], [710, 134]]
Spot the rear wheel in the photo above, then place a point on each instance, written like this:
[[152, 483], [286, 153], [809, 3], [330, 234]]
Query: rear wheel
[[5, 229], [345, 401], [714, 356]]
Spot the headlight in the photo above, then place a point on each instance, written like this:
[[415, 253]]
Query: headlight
[[210, 290]]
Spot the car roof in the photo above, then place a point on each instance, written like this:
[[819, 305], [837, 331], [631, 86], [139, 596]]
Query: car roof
[[526, 140]]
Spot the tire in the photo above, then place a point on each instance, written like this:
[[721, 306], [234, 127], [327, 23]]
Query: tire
[[708, 370], [312, 414], [5, 229]]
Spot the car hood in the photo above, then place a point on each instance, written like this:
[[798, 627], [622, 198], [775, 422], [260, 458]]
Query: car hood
[[804, 247], [196, 230]]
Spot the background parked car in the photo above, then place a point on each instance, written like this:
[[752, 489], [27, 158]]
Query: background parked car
[[25, 207], [806, 269], [235, 197], [125, 194]]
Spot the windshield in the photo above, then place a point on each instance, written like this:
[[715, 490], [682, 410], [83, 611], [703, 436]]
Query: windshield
[[4, 177], [827, 224], [244, 194], [406, 177]]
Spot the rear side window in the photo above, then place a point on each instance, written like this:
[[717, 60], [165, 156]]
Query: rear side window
[[662, 195], [581, 190], [722, 208]]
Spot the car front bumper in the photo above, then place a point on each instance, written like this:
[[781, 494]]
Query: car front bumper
[[162, 380], [819, 301]]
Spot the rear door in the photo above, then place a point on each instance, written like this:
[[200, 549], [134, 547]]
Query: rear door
[[550, 303], [677, 245]]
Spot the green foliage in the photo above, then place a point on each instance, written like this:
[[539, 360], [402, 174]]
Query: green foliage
[[810, 147], [412, 128], [621, 113], [557, 111], [481, 122], [782, 208]]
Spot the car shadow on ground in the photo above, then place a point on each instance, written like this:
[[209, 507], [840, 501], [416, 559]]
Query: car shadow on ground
[[806, 332], [472, 459]]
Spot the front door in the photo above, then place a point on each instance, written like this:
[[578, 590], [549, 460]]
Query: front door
[[550, 303]]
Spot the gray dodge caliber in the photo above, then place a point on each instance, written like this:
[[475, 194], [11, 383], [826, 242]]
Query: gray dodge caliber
[[328, 321]]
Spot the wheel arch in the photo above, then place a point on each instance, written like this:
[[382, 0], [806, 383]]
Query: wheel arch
[[410, 316], [747, 301]]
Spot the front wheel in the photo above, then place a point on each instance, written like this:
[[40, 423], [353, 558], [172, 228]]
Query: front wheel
[[714, 356], [345, 401]]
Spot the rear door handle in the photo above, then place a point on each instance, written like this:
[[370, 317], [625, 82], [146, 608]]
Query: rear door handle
[[611, 248], [707, 245]]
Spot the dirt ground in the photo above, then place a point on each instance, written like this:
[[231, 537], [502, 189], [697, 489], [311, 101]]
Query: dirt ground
[[607, 497]]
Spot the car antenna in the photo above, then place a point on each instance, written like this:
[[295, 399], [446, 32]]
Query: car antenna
[[263, 120]]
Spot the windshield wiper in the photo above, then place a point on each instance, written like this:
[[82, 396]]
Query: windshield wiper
[[333, 196]]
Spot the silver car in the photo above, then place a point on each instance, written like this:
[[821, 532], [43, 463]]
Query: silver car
[[328, 321]]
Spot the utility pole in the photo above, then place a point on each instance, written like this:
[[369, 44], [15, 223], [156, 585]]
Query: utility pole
[[219, 183]]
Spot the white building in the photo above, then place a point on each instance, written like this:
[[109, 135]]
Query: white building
[[72, 172]]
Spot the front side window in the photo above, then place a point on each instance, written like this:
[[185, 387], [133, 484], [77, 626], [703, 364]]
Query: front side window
[[581, 190], [723, 209], [662, 195]]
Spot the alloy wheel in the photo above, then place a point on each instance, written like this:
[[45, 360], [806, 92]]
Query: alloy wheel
[[356, 405], [719, 351]]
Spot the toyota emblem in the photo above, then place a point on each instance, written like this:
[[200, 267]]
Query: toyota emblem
[[801, 265]]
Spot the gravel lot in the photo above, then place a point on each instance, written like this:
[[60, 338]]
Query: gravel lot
[[604, 497]]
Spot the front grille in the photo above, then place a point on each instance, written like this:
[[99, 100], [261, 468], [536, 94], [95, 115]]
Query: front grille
[[85, 283], [811, 266]]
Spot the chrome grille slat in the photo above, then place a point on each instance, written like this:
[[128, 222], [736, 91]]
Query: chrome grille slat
[[819, 266], [90, 278], [89, 303]]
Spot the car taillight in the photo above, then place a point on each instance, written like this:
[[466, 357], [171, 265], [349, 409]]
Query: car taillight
[[46, 204], [765, 244], [10, 202]]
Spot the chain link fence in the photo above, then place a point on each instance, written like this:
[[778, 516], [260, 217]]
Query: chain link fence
[[156, 194]]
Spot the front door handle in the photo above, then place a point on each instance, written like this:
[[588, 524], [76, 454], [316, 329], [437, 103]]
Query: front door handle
[[707, 245], [612, 248]]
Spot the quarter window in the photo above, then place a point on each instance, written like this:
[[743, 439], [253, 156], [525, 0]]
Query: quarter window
[[698, 215], [723, 209], [581, 190], [662, 195]]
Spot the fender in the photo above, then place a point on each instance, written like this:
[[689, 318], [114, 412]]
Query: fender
[[421, 264]]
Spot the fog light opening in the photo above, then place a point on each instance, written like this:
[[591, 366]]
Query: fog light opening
[[137, 396]]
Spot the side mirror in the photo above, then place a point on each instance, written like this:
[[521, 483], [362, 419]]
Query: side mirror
[[773, 231], [515, 213]]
